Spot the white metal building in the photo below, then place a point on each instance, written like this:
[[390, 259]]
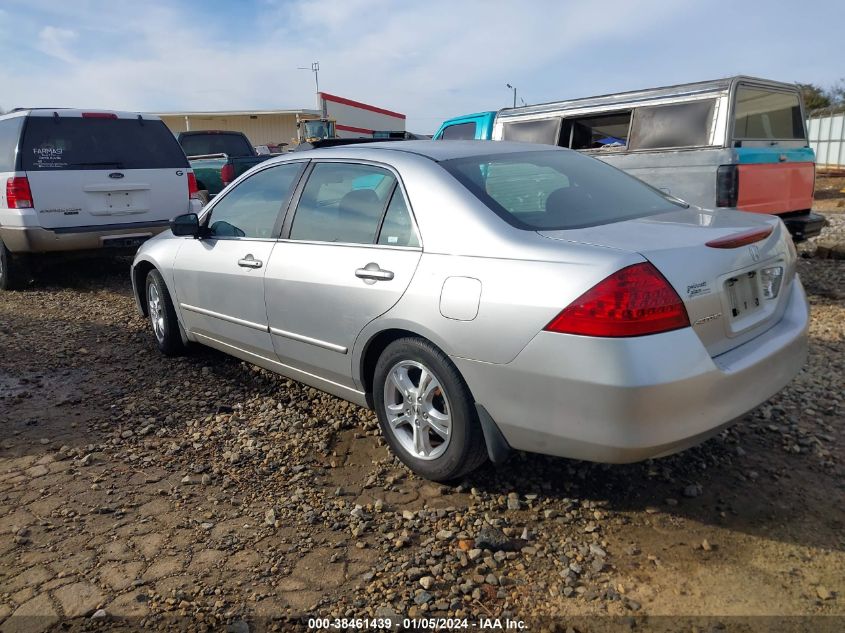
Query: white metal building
[[826, 132], [264, 127]]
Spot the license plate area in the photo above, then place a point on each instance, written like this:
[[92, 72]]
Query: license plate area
[[744, 295]]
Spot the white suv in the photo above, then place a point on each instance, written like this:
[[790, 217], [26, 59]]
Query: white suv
[[73, 180]]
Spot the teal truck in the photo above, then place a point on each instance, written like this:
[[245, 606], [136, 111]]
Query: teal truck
[[218, 157]]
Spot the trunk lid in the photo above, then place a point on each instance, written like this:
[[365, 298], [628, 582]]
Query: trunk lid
[[724, 289], [71, 198]]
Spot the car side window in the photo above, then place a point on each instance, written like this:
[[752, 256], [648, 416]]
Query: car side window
[[252, 207], [398, 228], [342, 202]]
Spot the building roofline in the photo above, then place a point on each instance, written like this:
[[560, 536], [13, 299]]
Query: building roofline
[[236, 112]]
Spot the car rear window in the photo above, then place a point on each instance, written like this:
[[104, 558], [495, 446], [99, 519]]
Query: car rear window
[[70, 143], [233, 145], [767, 114], [556, 190]]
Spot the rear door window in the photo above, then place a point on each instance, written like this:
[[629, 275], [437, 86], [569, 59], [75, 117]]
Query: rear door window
[[10, 133], [605, 132], [673, 125], [397, 229], [233, 145], [767, 115], [459, 132], [72, 143], [342, 202], [542, 131]]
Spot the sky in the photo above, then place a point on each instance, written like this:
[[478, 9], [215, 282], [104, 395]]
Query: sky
[[430, 59]]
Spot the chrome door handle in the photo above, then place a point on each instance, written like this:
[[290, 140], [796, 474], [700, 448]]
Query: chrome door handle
[[373, 272], [250, 262]]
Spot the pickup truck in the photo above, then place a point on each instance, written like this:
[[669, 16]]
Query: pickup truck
[[218, 157]]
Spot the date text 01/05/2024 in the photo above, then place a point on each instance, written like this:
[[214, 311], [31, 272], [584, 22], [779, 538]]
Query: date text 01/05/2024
[[419, 624]]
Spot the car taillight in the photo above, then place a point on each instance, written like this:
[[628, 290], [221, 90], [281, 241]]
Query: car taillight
[[227, 174], [735, 240], [634, 301], [99, 115], [18, 193], [193, 190], [727, 186]]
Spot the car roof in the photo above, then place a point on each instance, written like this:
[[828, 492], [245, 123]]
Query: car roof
[[77, 113], [436, 150]]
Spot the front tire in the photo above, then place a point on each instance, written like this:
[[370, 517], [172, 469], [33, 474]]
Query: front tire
[[426, 412], [162, 316]]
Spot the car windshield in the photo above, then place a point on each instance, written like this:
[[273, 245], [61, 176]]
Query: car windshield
[[556, 189]]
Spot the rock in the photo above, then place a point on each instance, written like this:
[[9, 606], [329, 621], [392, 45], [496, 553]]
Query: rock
[[426, 582], [100, 614], [693, 490], [422, 597], [705, 545], [474, 554], [492, 538], [238, 626], [407, 515], [270, 517], [823, 593]]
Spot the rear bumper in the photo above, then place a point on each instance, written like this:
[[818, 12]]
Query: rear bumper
[[803, 226], [625, 400], [29, 239]]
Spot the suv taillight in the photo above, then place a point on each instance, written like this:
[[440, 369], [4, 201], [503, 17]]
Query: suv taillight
[[227, 174], [634, 301], [193, 190], [18, 193], [727, 186]]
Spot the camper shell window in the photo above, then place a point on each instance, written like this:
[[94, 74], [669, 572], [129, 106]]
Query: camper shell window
[[767, 115], [605, 132], [672, 125], [541, 131]]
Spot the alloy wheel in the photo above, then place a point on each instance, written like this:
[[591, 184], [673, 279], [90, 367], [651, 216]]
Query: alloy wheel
[[418, 412], [156, 310]]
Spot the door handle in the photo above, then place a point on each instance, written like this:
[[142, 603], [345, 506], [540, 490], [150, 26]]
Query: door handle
[[372, 272], [250, 262]]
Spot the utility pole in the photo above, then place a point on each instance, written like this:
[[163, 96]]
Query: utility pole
[[315, 68], [514, 94]]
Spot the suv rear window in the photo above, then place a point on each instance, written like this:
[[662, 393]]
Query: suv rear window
[[556, 190], [767, 114], [70, 143], [233, 145]]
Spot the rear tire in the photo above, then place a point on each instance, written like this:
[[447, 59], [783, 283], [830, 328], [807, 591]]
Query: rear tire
[[162, 315], [419, 395], [11, 270]]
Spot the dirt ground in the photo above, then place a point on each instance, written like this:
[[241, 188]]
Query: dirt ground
[[136, 488]]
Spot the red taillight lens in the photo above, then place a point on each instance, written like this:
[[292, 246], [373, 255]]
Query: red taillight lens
[[736, 240], [727, 186], [227, 174], [18, 193], [634, 301], [193, 190], [99, 115]]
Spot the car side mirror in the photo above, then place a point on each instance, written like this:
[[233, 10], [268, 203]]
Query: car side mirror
[[187, 224]]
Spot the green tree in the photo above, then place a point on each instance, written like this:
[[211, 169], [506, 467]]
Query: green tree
[[814, 97]]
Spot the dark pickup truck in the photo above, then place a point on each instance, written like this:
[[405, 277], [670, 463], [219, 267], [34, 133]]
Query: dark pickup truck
[[218, 157]]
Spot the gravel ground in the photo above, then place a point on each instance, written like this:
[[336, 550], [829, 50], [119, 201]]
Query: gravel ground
[[132, 485]]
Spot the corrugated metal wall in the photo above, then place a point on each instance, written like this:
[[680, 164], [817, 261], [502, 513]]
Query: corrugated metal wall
[[827, 138], [261, 130]]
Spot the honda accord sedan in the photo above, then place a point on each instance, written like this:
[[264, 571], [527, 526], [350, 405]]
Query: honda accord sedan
[[484, 297]]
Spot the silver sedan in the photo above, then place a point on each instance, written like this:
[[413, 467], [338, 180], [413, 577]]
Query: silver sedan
[[484, 297]]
